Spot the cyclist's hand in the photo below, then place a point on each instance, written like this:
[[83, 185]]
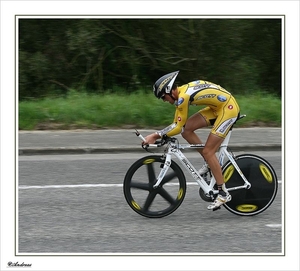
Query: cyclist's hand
[[150, 139]]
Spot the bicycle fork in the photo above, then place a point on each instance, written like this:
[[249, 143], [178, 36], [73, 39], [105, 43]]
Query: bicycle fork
[[164, 170]]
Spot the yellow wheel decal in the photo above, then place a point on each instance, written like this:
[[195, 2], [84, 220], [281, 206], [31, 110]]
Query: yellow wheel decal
[[148, 161], [135, 205], [266, 172], [246, 208], [228, 173], [180, 193]]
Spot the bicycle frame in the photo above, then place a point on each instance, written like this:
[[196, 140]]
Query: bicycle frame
[[174, 148]]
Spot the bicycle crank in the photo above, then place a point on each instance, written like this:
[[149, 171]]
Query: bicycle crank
[[209, 198]]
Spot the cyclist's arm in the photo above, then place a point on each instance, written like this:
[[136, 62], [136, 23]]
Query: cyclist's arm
[[180, 118]]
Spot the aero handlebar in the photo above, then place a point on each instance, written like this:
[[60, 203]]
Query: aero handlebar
[[158, 143]]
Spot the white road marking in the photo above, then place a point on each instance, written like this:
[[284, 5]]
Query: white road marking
[[68, 186], [23, 187], [274, 225]]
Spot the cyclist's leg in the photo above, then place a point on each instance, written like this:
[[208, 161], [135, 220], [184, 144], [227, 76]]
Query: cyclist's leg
[[195, 122], [227, 115], [203, 118], [209, 153]]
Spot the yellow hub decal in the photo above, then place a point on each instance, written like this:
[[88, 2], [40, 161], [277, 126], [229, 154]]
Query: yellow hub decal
[[266, 172], [135, 205], [180, 193], [246, 208], [228, 173], [148, 161]]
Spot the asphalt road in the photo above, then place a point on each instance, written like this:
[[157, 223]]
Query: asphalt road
[[75, 204], [108, 141]]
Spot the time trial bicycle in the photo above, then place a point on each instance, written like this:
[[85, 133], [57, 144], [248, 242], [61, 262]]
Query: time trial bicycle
[[155, 185]]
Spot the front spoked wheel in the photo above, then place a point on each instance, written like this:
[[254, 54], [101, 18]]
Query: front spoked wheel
[[154, 202], [264, 185]]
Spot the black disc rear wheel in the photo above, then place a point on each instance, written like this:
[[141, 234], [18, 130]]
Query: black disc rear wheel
[[264, 185]]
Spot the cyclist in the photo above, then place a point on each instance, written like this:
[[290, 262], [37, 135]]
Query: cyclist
[[221, 111]]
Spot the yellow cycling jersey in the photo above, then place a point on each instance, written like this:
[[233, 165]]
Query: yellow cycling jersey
[[220, 102]]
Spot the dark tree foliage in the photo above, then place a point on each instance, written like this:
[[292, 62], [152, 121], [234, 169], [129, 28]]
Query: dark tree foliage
[[100, 55]]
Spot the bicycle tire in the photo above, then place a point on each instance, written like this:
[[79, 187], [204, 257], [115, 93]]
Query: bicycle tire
[[154, 202], [263, 180]]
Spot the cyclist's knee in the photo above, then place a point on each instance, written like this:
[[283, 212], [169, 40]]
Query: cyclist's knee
[[207, 153], [187, 133]]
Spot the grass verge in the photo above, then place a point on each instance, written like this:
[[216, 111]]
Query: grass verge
[[138, 110]]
